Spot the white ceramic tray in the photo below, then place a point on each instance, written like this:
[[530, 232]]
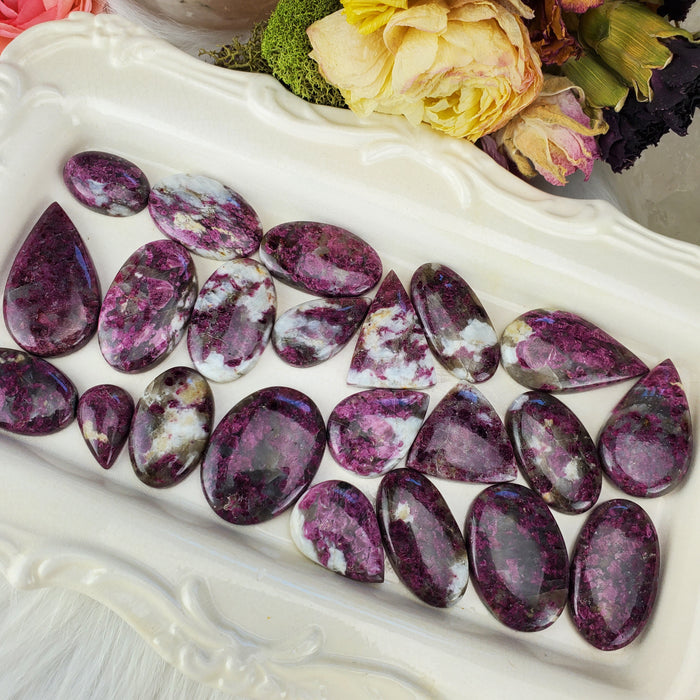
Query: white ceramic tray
[[238, 607]]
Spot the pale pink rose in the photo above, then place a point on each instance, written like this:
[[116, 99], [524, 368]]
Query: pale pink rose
[[553, 136], [463, 66], [18, 15]]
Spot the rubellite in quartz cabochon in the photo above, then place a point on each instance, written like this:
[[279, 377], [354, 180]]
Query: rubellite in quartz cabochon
[[104, 416], [555, 452], [518, 557], [370, 432], [646, 445], [614, 574], [147, 306], [206, 216], [36, 398], [421, 537], [317, 330], [263, 455], [321, 259], [232, 320], [557, 350], [456, 325], [52, 294], [391, 351], [334, 525], [464, 439], [106, 183], [171, 427]]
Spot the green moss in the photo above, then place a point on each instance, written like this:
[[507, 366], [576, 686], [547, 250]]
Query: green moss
[[245, 56], [285, 47]]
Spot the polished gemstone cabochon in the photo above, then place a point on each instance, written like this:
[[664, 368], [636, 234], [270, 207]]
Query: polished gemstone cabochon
[[171, 427], [334, 525], [147, 306], [456, 325], [614, 574], [317, 330], [370, 432], [263, 455], [104, 416], [646, 445], [556, 454], [557, 350], [52, 294], [36, 398], [421, 537], [106, 183], [464, 439], [391, 351], [232, 320], [209, 218], [518, 557], [321, 259]]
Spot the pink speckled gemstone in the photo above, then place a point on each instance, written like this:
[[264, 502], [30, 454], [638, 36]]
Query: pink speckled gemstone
[[263, 455], [456, 325], [464, 439], [334, 525], [321, 259], [147, 307], [106, 183], [370, 432], [104, 416], [36, 398], [206, 216], [646, 445], [556, 350], [232, 320], [52, 295], [518, 557], [317, 330], [614, 574], [421, 537], [391, 351], [556, 454]]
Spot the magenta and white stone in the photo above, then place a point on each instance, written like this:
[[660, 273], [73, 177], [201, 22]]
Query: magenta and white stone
[[232, 320], [146, 309], [52, 294], [456, 325], [464, 439], [422, 539], [646, 444], [106, 183], [36, 398], [334, 525], [391, 351], [206, 216], [104, 417], [556, 350], [370, 432], [263, 455], [171, 427], [321, 259], [555, 452], [317, 330]]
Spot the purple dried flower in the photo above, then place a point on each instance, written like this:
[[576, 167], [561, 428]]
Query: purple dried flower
[[676, 94]]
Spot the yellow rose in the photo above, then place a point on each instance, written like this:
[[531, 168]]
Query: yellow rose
[[553, 136], [370, 15], [465, 67]]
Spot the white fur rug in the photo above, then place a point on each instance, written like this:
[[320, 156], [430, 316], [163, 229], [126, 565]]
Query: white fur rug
[[60, 645]]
